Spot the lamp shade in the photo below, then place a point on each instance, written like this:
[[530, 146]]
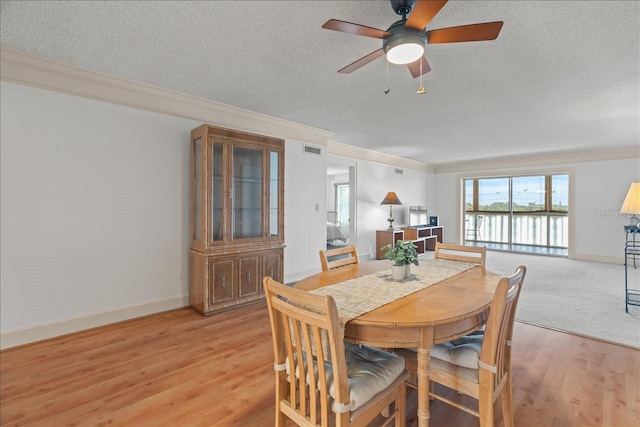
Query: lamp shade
[[391, 199], [631, 204]]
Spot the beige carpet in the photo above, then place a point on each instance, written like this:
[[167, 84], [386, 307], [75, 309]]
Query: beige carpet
[[576, 296]]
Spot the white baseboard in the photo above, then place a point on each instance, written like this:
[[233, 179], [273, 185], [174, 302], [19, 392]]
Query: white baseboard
[[599, 258], [42, 331]]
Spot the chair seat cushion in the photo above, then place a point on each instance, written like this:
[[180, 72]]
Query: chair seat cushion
[[463, 352], [369, 371]]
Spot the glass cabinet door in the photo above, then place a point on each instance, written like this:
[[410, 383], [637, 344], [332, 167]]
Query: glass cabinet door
[[274, 203], [246, 213], [217, 191], [197, 189]]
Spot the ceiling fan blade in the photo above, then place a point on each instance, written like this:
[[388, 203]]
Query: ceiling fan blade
[[362, 61], [350, 27], [423, 12], [414, 67], [466, 33]]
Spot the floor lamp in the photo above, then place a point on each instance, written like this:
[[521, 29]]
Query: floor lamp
[[631, 205]]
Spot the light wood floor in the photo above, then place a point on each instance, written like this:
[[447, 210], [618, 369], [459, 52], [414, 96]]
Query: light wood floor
[[182, 369]]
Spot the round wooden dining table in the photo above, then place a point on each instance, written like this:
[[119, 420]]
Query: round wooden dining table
[[441, 312]]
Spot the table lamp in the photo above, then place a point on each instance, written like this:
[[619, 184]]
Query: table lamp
[[631, 205], [390, 199]]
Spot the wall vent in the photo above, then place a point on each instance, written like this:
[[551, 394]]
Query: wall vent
[[399, 171], [310, 149]]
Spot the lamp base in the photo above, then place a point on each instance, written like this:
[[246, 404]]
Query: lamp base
[[634, 220], [390, 219]]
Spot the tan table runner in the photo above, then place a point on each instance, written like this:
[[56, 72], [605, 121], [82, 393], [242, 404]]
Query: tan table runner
[[355, 297]]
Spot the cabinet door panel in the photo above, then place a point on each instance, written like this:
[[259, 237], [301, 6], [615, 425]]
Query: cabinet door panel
[[221, 280], [217, 192], [271, 265], [248, 275], [274, 194], [247, 193], [197, 187]]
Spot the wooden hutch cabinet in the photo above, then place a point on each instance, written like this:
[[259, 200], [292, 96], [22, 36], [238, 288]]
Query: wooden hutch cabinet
[[237, 217]]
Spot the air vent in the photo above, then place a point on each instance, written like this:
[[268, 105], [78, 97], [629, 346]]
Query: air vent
[[399, 171], [312, 150]]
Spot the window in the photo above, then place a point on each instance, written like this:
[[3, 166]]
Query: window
[[493, 194], [518, 212], [342, 203]]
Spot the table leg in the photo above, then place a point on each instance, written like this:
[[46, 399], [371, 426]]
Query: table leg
[[423, 387], [426, 342]]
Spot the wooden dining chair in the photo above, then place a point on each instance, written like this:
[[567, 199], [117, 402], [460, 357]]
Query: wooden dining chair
[[320, 379], [339, 257], [479, 365], [475, 254]]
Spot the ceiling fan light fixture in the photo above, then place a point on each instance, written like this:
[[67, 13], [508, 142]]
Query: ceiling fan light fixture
[[405, 48], [405, 53]]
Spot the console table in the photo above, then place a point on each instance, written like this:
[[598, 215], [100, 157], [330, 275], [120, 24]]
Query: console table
[[424, 238], [631, 251]]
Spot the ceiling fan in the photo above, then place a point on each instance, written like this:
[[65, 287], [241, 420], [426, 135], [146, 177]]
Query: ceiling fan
[[404, 41]]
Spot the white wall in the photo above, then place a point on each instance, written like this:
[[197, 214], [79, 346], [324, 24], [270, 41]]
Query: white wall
[[600, 188], [95, 210], [305, 226], [597, 188], [374, 180], [93, 206]]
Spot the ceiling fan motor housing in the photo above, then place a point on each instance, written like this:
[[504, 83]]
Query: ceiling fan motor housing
[[403, 7]]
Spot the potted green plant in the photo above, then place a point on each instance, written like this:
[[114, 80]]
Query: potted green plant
[[403, 254]]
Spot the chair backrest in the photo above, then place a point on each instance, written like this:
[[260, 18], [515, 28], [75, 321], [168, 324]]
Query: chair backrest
[[339, 257], [495, 356], [302, 322], [475, 254], [479, 219]]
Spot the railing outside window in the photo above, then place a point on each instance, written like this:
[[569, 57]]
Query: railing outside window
[[549, 230]]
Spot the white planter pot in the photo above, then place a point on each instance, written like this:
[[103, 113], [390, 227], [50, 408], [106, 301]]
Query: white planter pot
[[398, 272], [407, 270]]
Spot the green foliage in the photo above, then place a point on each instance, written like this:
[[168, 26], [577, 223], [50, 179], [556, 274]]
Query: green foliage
[[402, 253], [504, 207]]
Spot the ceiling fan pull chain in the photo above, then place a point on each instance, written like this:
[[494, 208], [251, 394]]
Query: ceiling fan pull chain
[[386, 92], [421, 88]]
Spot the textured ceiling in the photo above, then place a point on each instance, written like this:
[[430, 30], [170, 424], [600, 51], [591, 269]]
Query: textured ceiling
[[562, 76]]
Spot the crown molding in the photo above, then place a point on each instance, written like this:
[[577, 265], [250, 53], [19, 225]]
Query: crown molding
[[537, 160], [30, 70], [339, 149]]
